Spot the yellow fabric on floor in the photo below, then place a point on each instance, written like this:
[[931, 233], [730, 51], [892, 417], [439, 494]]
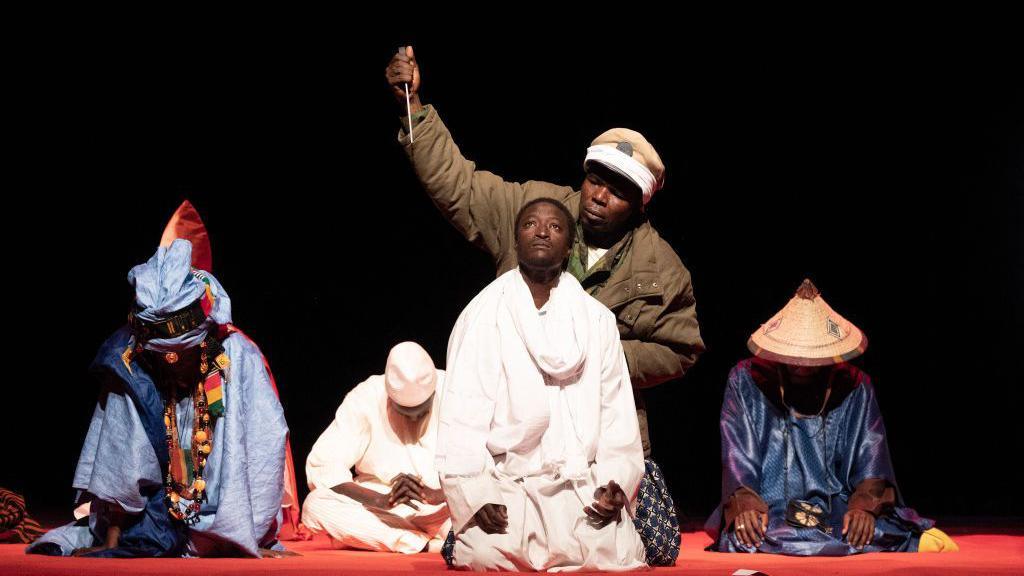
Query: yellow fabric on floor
[[935, 540]]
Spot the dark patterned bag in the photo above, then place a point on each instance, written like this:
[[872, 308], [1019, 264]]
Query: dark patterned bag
[[656, 519], [448, 549]]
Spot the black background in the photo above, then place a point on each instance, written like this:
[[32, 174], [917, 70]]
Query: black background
[[889, 171]]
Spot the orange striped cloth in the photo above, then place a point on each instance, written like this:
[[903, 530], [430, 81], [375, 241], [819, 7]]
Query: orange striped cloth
[[15, 523]]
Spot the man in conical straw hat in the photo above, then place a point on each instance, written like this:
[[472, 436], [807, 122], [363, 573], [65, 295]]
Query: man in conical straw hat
[[805, 464]]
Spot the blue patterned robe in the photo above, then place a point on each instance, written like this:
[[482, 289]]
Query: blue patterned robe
[[828, 456], [124, 460]]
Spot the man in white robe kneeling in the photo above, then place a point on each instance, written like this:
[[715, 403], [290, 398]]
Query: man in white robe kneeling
[[385, 429], [538, 442]]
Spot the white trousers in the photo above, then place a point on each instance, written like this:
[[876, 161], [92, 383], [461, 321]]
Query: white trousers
[[548, 531]]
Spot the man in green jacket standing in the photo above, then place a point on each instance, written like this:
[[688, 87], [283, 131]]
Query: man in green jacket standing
[[618, 257]]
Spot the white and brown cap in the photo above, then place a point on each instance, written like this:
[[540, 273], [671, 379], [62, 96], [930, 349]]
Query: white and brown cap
[[410, 376], [808, 332], [628, 153]]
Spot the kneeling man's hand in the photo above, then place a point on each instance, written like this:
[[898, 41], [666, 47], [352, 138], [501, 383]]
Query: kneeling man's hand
[[423, 493], [492, 518], [858, 527], [751, 526], [608, 503], [405, 489]]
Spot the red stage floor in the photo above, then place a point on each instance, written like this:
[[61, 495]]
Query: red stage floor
[[979, 554]]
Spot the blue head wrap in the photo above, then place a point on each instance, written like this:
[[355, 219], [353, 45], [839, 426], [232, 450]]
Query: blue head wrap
[[166, 284]]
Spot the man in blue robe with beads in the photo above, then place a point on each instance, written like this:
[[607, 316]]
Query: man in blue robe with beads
[[805, 462], [185, 451]]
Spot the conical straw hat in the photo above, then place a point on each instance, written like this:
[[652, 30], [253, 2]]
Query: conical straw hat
[[808, 332]]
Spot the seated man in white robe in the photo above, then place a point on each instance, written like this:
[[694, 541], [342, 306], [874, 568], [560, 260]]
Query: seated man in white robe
[[385, 429], [538, 442]]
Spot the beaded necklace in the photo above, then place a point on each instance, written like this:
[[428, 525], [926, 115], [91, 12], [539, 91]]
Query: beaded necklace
[[185, 479]]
